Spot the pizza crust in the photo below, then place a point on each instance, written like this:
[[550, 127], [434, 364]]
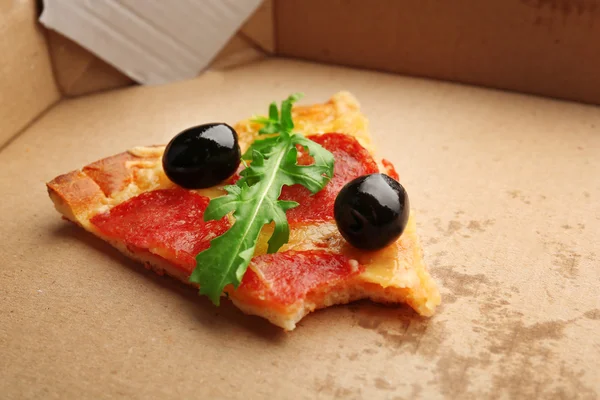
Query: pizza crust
[[396, 274]]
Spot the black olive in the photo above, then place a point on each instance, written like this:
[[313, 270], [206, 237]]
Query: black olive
[[202, 156], [371, 211]]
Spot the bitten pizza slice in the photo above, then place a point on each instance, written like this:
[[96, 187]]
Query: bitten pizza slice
[[128, 201]]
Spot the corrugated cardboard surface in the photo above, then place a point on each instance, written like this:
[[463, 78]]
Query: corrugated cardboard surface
[[26, 83], [547, 47], [505, 188]]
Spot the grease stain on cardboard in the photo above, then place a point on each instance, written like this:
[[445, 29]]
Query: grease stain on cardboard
[[517, 355]]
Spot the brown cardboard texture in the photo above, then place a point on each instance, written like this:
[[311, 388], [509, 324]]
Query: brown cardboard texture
[[506, 193], [27, 86], [539, 47], [532, 46], [78, 71]]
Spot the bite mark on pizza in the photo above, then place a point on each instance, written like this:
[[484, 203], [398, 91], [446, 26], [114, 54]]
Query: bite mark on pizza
[[128, 201]]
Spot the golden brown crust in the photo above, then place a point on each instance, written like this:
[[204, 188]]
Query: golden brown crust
[[111, 173], [74, 194], [78, 195], [393, 275]]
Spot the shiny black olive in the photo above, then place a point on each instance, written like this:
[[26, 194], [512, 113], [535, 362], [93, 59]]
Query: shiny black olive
[[371, 211], [202, 156]]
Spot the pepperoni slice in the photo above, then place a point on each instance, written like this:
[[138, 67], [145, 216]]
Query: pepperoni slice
[[282, 279], [168, 220], [390, 170], [351, 161]]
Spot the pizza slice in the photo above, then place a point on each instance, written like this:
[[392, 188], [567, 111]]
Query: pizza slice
[[128, 201]]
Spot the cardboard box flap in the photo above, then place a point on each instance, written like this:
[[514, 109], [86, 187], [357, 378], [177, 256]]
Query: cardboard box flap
[[80, 72], [152, 42]]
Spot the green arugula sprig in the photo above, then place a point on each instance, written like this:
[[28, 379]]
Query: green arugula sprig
[[254, 200]]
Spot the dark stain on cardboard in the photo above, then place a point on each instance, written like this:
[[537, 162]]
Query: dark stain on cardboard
[[452, 228], [403, 330], [565, 260], [460, 284], [523, 353], [592, 314], [431, 241], [330, 387], [568, 263], [450, 298], [383, 384], [514, 193], [441, 253], [342, 392], [455, 226], [452, 374], [477, 226], [369, 323], [579, 227], [520, 354], [517, 194], [437, 258]]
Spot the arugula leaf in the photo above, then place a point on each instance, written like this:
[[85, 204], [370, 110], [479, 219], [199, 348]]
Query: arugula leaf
[[253, 200]]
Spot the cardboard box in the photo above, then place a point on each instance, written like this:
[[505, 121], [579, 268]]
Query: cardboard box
[[505, 187]]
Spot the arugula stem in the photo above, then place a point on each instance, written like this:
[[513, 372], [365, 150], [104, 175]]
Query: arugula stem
[[274, 164], [247, 223]]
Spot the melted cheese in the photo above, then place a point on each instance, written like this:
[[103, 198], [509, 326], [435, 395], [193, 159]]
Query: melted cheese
[[341, 114], [148, 151], [390, 266]]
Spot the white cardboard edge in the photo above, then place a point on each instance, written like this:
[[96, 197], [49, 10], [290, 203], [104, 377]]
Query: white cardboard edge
[[151, 41]]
